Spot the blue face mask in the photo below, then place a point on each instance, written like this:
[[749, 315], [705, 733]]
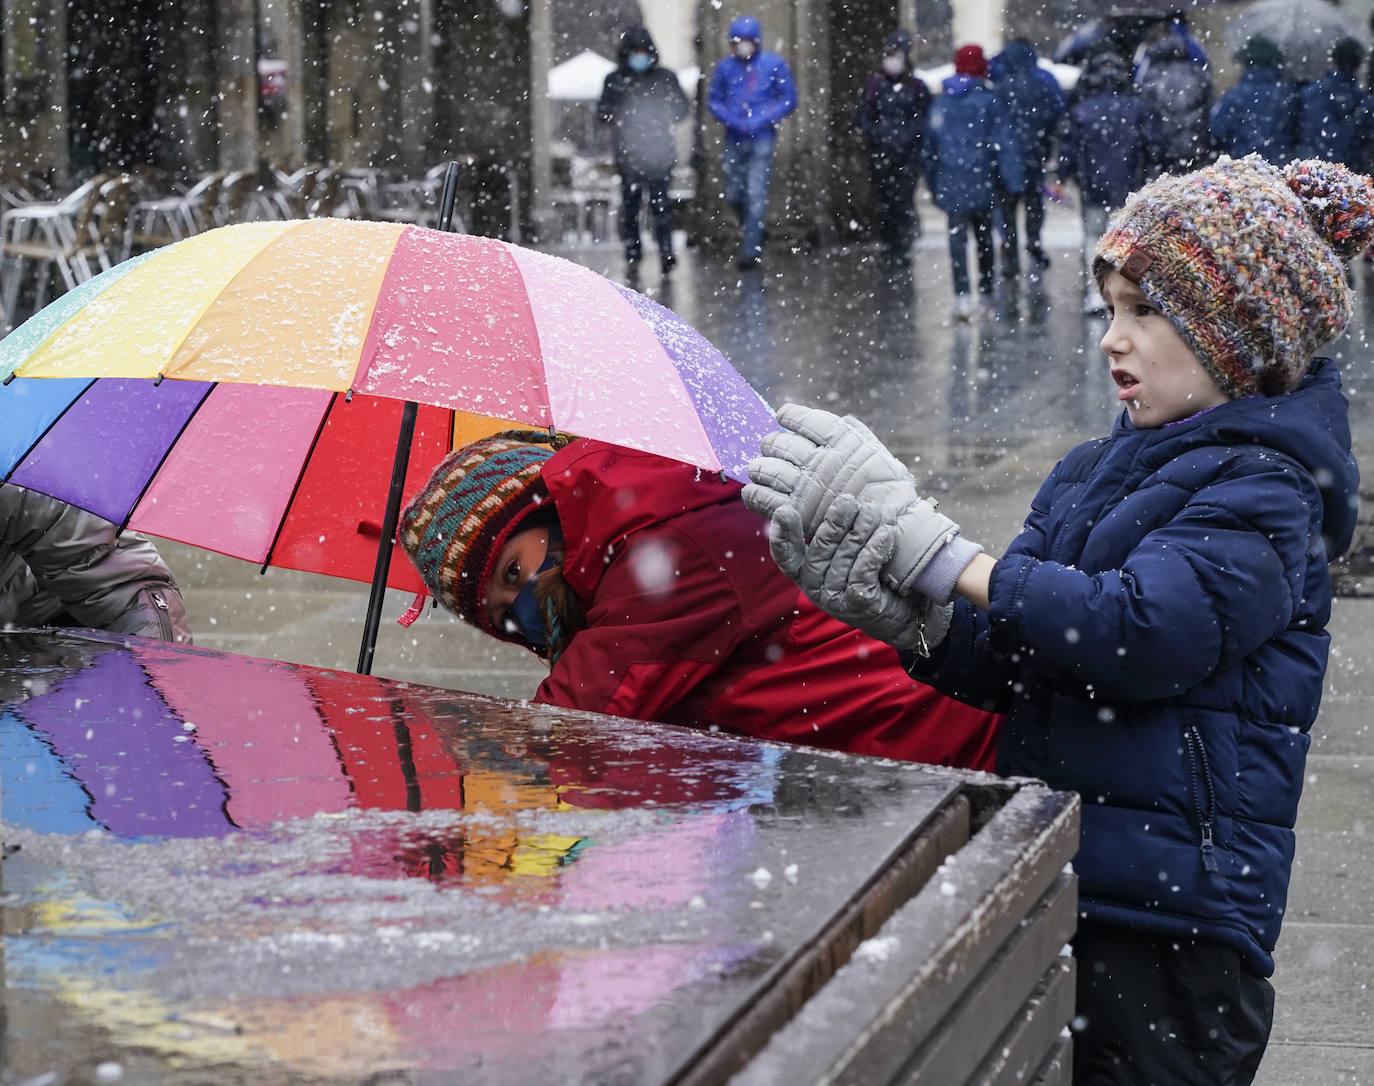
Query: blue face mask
[[525, 612], [640, 62]]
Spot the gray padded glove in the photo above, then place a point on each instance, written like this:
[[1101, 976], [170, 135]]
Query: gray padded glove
[[839, 573], [816, 457], [820, 456]]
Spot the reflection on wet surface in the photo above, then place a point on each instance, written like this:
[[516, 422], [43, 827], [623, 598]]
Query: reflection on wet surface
[[285, 874]]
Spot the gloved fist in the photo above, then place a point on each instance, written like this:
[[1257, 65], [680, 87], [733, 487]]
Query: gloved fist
[[816, 457], [839, 573]]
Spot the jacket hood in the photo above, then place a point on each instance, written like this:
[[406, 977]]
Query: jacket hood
[[1309, 424], [636, 39], [604, 493], [745, 26], [1017, 57], [1169, 47]]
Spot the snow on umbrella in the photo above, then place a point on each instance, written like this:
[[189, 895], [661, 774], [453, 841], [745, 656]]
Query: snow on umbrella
[[1304, 31], [237, 390]]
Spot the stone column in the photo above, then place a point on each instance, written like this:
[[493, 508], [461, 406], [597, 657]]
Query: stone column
[[237, 85], [541, 117]]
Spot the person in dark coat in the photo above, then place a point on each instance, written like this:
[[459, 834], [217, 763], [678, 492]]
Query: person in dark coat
[[968, 150], [1034, 104], [1180, 90], [646, 585], [63, 566], [1108, 143], [1259, 113], [1336, 114], [1157, 631], [892, 115], [641, 101]]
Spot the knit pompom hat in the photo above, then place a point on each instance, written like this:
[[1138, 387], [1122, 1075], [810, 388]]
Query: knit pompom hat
[[1246, 260], [476, 499]]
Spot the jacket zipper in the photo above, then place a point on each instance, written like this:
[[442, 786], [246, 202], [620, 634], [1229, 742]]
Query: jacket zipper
[[1204, 805], [164, 621]]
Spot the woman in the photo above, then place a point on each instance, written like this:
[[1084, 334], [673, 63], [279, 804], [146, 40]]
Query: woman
[[648, 587]]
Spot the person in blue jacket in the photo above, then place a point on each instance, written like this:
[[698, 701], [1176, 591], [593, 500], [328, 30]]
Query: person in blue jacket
[[970, 153], [1336, 114], [1157, 631], [892, 115], [1034, 104], [1258, 114], [1109, 142], [752, 90]]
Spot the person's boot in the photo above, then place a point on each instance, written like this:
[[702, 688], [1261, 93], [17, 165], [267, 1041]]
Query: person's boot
[[666, 263], [1039, 257]]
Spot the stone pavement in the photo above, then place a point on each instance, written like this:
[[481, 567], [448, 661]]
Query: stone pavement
[[984, 409]]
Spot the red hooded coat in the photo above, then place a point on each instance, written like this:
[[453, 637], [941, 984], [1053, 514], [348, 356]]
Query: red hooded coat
[[689, 621]]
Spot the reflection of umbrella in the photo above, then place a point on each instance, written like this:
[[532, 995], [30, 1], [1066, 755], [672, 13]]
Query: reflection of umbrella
[[325, 308], [579, 79], [1304, 31]]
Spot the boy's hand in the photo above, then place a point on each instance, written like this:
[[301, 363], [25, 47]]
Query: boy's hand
[[820, 457], [839, 573], [816, 457]]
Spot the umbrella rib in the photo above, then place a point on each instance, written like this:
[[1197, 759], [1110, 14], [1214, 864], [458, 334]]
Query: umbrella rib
[[19, 460], [165, 452], [300, 477]]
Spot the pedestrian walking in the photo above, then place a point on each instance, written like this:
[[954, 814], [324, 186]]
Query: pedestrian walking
[[648, 588], [1108, 142], [1259, 113], [1157, 632], [1034, 103], [63, 566], [1336, 114], [969, 151], [892, 116], [751, 91], [641, 101], [1179, 88]]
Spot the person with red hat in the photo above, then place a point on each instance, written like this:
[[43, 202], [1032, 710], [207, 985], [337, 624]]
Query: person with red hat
[[970, 147]]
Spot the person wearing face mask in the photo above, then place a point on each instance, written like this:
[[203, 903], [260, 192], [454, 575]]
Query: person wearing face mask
[[752, 90], [641, 101], [892, 115], [648, 588]]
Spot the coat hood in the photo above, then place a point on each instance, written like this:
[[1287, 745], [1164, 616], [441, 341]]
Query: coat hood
[[1168, 48], [1309, 424], [745, 26], [1018, 57], [955, 85], [636, 39], [604, 493]]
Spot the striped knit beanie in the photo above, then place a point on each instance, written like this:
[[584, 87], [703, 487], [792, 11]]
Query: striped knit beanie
[[476, 499], [1246, 260]]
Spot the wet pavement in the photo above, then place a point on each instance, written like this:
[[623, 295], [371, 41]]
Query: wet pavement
[[983, 409]]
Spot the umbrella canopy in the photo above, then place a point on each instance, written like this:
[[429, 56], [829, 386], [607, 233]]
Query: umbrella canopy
[[1304, 31], [579, 79], [242, 390]]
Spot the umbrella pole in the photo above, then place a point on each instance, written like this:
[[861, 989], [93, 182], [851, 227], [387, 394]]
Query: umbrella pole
[[399, 465]]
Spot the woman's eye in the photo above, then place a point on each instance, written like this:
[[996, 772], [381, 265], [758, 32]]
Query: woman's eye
[[513, 572], [1145, 310], [508, 623]]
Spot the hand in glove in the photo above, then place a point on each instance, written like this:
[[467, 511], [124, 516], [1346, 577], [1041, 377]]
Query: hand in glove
[[839, 573], [816, 457]]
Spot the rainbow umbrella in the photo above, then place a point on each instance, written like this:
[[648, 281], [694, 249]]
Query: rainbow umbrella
[[237, 390]]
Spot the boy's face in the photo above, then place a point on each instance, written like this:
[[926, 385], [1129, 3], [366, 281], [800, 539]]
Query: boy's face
[[1157, 376]]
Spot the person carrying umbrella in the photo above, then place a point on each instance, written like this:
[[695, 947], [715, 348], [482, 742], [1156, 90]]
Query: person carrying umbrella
[[648, 588], [641, 101], [63, 566], [1157, 631]]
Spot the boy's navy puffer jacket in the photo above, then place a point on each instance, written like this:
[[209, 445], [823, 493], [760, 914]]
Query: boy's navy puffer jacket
[[1157, 634]]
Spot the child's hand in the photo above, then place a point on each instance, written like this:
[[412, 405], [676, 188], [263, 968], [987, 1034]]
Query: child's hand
[[816, 457], [839, 573]]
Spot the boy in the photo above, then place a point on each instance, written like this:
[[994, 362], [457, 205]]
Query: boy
[[1156, 633]]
